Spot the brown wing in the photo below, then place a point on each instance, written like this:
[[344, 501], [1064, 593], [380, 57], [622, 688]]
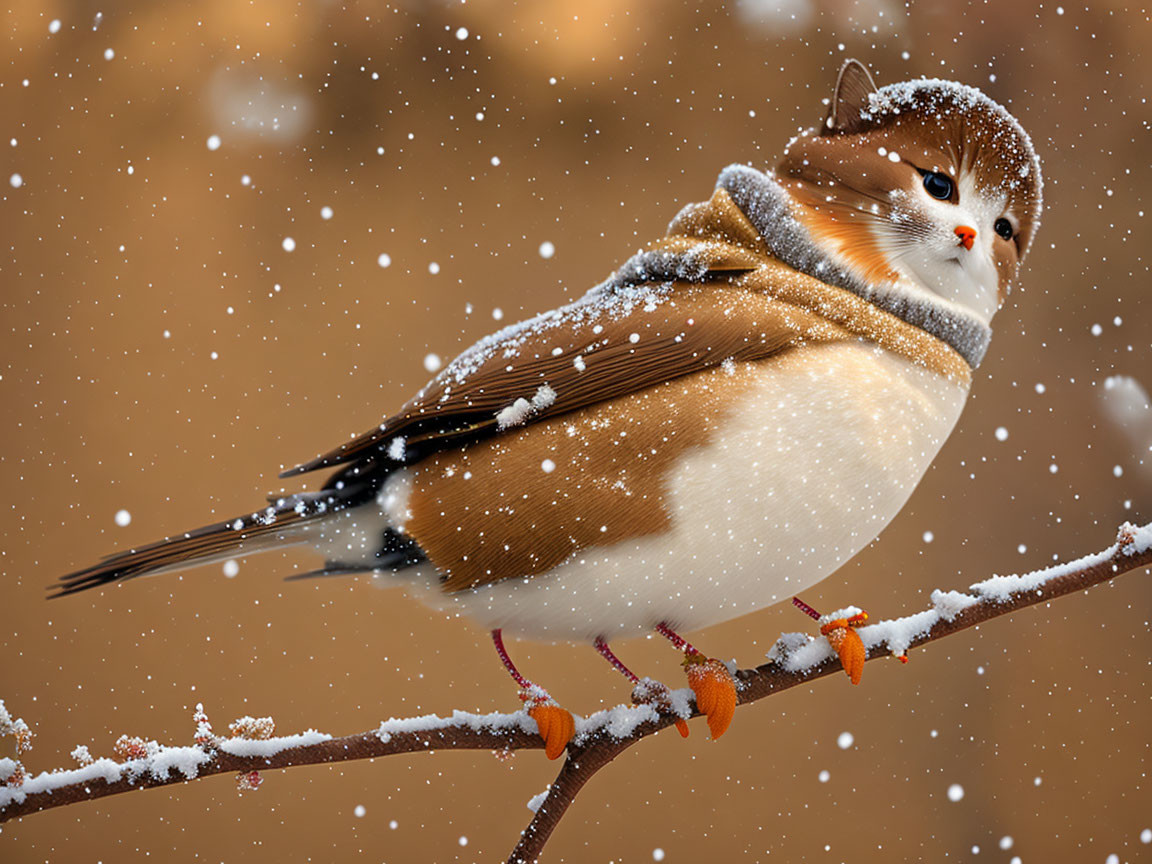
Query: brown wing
[[637, 330], [570, 368]]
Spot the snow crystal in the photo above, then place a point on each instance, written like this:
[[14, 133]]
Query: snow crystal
[[547, 466], [396, 448], [462, 33], [1125, 401], [393, 824], [123, 518], [547, 250], [836, 614], [657, 854], [1006, 842], [109, 54], [1146, 836], [213, 142], [824, 776], [384, 259], [101, 769], [359, 811], [621, 721], [544, 397], [955, 792], [520, 410], [186, 760], [536, 800], [81, 754], [289, 244], [463, 841], [271, 746], [15, 181], [326, 213], [54, 25], [463, 719], [1002, 588], [514, 414], [433, 267], [495, 161], [845, 740], [1001, 433], [432, 362]]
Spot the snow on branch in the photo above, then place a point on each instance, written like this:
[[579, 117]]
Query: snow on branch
[[796, 658]]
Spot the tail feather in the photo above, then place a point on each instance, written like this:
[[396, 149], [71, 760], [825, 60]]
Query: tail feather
[[276, 525]]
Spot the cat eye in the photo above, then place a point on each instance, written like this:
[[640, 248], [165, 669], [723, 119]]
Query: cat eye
[[1003, 228], [938, 185]]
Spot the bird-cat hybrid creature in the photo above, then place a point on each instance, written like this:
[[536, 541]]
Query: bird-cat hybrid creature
[[726, 420]]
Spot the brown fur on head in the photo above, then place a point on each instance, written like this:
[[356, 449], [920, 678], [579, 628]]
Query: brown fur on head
[[861, 185]]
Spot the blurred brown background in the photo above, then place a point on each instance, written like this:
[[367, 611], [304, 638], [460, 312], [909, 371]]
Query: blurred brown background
[[162, 353]]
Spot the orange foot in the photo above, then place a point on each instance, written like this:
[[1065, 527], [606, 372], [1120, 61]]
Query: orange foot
[[715, 692], [841, 634], [554, 724]]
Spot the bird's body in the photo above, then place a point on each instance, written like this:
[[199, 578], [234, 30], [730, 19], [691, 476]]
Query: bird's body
[[757, 511], [735, 413]]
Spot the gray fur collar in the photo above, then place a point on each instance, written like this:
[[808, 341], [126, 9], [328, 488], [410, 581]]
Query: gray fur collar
[[765, 203]]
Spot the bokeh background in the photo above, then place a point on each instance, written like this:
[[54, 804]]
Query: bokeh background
[[163, 352]]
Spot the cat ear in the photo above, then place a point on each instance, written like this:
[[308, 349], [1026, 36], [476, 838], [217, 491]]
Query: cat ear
[[853, 87]]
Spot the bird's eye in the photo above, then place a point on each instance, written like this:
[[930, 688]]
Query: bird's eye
[[1003, 228], [938, 185]]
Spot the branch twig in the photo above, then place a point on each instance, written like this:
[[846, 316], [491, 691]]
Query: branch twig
[[795, 660]]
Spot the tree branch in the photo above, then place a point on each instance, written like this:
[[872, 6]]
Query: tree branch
[[795, 659]]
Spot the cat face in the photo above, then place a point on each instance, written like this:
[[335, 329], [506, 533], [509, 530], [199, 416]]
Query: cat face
[[926, 182]]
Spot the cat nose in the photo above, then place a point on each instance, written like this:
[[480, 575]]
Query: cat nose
[[967, 236]]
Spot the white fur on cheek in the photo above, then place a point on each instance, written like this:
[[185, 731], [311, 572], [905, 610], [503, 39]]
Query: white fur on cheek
[[922, 243]]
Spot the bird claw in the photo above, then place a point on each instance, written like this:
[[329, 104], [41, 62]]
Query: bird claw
[[715, 691], [842, 636], [555, 725]]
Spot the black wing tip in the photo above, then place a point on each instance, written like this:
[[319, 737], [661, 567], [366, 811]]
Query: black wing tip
[[83, 580], [324, 461]]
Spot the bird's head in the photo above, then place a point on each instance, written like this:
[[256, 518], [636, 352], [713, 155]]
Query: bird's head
[[925, 182]]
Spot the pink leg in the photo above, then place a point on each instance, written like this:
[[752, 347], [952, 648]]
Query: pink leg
[[676, 639], [805, 608], [498, 641], [555, 725], [617, 664]]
